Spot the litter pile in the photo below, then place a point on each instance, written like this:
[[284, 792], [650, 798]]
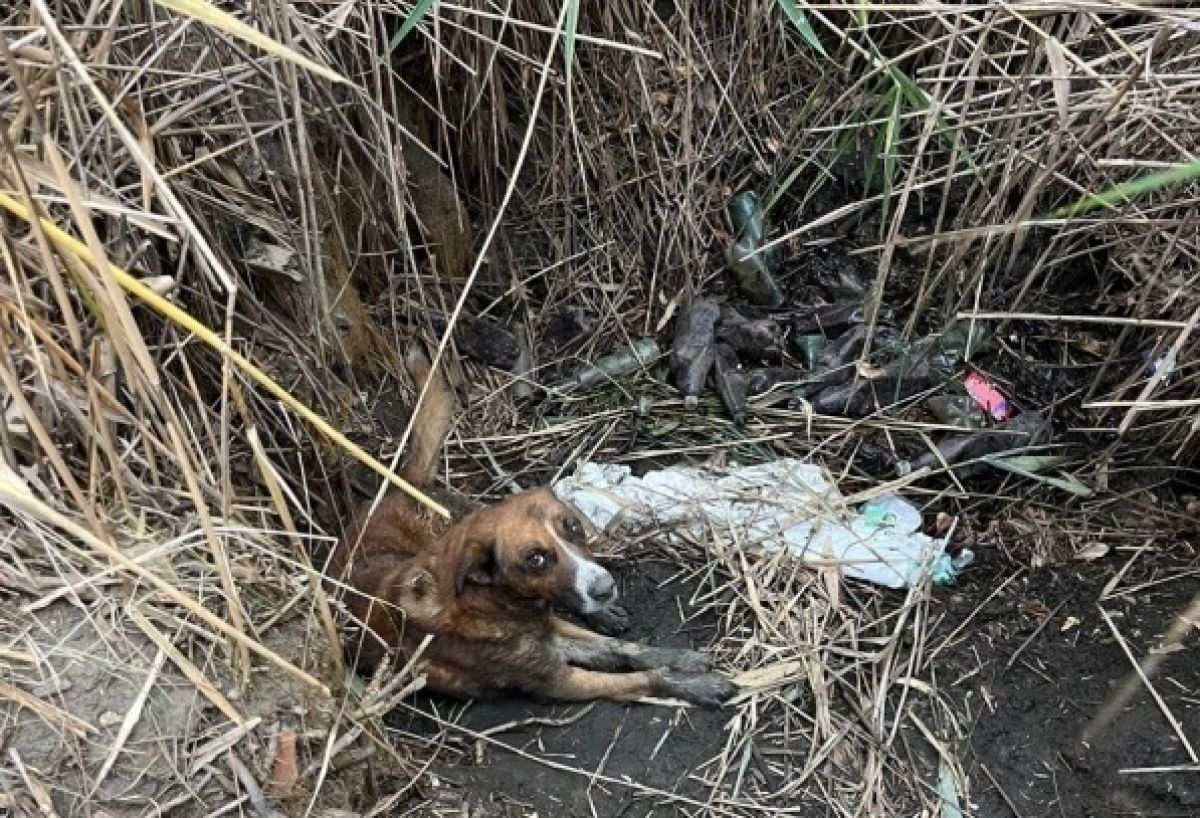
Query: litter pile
[[832, 359], [757, 351]]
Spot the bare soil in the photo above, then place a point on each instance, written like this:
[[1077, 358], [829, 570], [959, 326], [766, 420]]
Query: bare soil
[[1037, 662]]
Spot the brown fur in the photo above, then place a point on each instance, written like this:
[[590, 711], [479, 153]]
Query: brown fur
[[484, 587]]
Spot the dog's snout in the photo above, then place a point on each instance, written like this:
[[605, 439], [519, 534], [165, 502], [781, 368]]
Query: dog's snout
[[603, 588]]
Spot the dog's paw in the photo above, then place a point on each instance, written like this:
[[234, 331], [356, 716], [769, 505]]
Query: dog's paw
[[687, 661], [709, 690], [611, 620]]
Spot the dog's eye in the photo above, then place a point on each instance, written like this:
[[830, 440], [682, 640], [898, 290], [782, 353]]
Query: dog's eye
[[573, 529], [537, 560]]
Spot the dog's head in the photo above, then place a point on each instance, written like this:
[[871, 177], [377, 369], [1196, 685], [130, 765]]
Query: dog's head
[[534, 547]]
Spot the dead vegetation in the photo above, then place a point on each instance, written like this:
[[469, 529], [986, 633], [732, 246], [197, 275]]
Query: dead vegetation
[[162, 622]]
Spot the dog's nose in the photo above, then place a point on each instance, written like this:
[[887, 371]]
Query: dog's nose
[[603, 588]]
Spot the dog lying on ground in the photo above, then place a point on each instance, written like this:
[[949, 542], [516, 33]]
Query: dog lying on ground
[[485, 587]]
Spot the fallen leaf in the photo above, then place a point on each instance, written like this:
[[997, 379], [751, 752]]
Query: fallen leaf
[[285, 772], [1091, 552], [1035, 609]]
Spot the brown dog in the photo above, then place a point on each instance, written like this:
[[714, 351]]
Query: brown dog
[[484, 587]]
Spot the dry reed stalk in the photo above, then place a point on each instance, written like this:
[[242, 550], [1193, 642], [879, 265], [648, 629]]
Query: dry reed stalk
[[229, 165]]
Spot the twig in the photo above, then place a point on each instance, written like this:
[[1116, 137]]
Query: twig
[[1012, 660], [1003, 795], [962, 625], [1114, 320], [132, 717]]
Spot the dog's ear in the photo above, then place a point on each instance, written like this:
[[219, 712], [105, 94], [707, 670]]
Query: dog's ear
[[477, 566]]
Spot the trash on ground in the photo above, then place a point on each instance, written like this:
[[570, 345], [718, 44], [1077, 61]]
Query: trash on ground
[[827, 319], [961, 341], [946, 568], [989, 398], [842, 279], [1164, 365], [693, 352], [948, 791], [956, 410], [1091, 551], [765, 378], [753, 271], [835, 361], [783, 504], [1023, 431], [842, 355], [611, 366], [754, 338], [861, 396], [732, 383], [808, 349], [483, 339], [285, 261]]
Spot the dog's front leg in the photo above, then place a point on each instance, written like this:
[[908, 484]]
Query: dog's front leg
[[579, 646], [577, 684]]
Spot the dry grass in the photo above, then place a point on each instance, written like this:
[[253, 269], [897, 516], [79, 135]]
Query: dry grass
[[164, 510]]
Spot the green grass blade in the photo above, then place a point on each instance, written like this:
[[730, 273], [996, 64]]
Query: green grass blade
[[419, 10], [1130, 190], [1064, 482], [800, 21], [570, 26], [1035, 463], [891, 140]]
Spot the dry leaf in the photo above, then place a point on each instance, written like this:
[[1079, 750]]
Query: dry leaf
[[831, 577], [943, 523], [285, 772], [1091, 552]]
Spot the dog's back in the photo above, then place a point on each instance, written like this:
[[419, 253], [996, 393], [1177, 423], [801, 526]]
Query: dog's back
[[372, 561]]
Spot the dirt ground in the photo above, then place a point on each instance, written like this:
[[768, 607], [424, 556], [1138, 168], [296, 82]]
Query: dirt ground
[[1026, 657], [1035, 664]]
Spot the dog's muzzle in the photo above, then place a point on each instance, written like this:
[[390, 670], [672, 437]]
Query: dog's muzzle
[[594, 588], [603, 588]]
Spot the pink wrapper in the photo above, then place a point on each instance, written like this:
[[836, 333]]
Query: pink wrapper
[[987, 396]]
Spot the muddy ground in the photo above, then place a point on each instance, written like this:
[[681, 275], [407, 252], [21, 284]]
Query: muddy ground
[[1028, 666]]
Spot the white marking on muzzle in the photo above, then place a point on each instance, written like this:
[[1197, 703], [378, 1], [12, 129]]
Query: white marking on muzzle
[[587, 574]]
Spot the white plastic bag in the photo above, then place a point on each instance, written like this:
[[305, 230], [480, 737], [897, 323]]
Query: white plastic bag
[[786, 503]]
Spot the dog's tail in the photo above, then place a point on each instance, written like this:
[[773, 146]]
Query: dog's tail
[[432, 421]]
